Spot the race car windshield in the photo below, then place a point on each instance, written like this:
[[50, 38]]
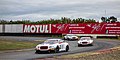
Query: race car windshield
[[51, 41], [70, 35], [85, 39]]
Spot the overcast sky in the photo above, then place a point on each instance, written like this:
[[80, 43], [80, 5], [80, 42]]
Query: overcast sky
[[35, 10]]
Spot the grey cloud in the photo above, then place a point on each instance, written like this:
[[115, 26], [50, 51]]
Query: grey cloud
[[85, 8]]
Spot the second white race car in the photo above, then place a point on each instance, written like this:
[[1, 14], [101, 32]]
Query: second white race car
[[52, 45], [85, 41], [70, 37]]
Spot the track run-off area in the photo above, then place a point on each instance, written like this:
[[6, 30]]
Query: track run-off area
[[30, 54]]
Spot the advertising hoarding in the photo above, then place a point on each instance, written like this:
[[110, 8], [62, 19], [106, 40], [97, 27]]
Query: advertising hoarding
[[42, 28], [81, 28]]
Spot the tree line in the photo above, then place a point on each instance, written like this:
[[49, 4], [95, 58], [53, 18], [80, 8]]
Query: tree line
[[110, 19], [63, 20]]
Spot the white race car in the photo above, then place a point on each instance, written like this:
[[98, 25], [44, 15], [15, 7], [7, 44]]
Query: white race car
[[52, 45], [85, 41], [70, 37]]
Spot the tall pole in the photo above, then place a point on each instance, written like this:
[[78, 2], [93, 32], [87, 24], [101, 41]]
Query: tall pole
[[105, 13]]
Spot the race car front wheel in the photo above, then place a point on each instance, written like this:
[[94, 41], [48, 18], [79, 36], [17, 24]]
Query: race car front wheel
[[37, 52], [79, 45], [67, 48], [56, 50]]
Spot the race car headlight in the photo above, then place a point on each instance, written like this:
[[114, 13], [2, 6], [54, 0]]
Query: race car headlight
[[79, 42], [51, 46], [91, 41], [37, 46], [65, 36]]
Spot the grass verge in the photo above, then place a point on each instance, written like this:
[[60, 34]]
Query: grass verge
[[16, 45], [106, 54]]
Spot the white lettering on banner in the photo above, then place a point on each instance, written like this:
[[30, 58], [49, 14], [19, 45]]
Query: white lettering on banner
[[42, 28], [49, 28], [36, 29], [113, 27], [32, 28], [77, 27], [74, 25], [46, 29], [111, 24], [27, 28], [37, 26]]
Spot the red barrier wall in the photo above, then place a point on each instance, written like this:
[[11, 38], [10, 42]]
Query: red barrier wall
[[94, 28]]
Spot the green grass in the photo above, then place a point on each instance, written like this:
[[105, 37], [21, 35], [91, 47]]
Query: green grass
[[16, 45], [106, 54], [119, 38]]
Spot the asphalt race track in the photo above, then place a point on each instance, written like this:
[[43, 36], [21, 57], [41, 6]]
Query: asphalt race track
[[28, 55]]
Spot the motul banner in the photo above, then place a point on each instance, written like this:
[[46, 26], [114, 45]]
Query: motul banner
[[83, 28], [29, 28]]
